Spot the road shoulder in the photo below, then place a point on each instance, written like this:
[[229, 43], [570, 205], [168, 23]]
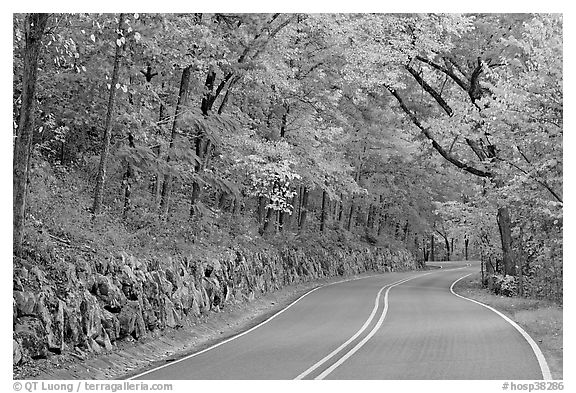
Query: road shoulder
[[541, 319]]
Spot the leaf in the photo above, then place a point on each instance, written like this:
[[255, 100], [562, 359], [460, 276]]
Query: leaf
[[92, 37]]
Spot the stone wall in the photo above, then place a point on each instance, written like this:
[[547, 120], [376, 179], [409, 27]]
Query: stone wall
[[86, 304]]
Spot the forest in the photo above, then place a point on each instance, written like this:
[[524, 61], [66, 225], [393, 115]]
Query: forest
[[168, 135]]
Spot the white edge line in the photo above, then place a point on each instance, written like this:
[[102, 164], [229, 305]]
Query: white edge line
[[546, 375], [249, 330], [345, 344]]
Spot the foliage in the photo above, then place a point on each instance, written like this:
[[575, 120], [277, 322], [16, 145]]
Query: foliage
[[387, 127]]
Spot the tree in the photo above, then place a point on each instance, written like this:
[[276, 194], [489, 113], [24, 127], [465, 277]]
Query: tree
[[34, 25], [113, 87]]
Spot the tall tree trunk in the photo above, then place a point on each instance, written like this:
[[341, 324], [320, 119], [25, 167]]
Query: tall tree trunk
[[34, 25], [182, 99], [127, 180], [284, 121], [304, 207], [324, 212], [98, 192], [504, 225], [157, 185], [157, 181], [466, 240], [267, 221], [380, 224], [193, 198], [202, 144], [340, 208], [261, 209], [405, 230], [432, 257], [369, 217], [350, 215]]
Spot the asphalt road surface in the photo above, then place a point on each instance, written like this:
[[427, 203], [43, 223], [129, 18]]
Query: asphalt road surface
[[391, 326]]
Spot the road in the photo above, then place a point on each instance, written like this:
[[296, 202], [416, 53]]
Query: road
[[405, 325]]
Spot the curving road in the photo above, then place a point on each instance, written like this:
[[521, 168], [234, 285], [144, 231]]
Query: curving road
[[391, 326]]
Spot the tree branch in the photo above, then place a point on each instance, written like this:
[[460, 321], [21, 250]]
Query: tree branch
[[543, 183], [449, 157], [430, 90], [446, 71]]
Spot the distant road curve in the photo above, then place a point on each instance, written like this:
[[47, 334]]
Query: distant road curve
[[407, 325]]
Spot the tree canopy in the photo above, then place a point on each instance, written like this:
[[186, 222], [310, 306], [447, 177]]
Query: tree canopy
[[442, 132]]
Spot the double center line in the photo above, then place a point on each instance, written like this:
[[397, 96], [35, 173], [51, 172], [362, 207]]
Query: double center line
[[346, 355]]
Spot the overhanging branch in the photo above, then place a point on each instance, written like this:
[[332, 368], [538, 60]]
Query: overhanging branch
[[449, 157]]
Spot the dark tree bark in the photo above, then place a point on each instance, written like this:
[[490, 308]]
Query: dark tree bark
[[504, 225], [267, 221], [261, 209], [34, 25], [196, 190], [101, 178], [370, 217], [432, 257], [325, 203], [304, 208], [284, 121], [340, 208], [350, 215], [466, 240], [182, 100]]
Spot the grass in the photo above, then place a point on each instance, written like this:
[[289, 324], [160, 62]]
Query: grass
[[542, 319]]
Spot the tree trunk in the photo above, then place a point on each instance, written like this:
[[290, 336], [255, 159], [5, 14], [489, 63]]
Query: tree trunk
[[324, 212], [299, 210], [34, 26], [193, 198], [340, 208], [466, 247], [267, 221], [127, 180], [370, 217], [504, 225], [405, 231], [98, 192], [432, 258], [304, 212], [261, 209], [182, 99], [350, 215], [157, 185], [281, 220]]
